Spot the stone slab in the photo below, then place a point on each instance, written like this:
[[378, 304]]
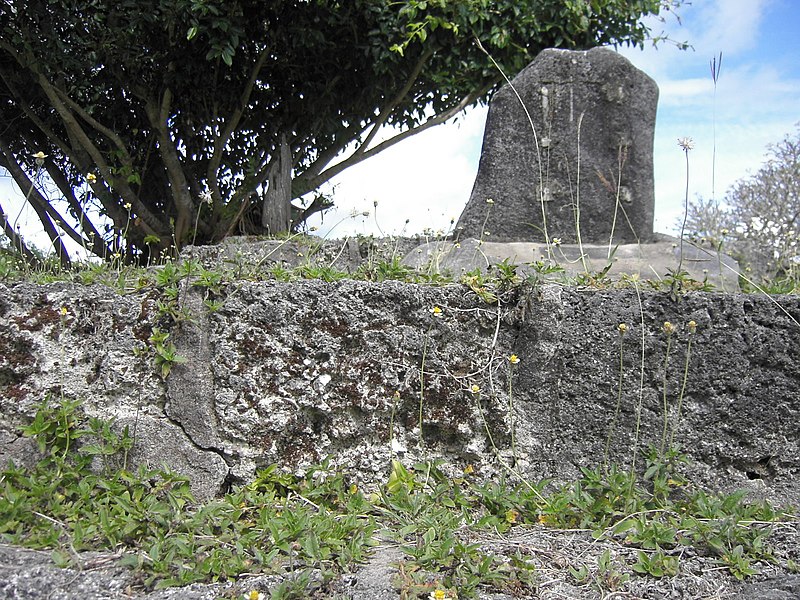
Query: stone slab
[[651, 262]]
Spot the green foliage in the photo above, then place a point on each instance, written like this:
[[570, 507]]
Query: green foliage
[[277, 522], [426, 511], [69, 502], [171, 115]]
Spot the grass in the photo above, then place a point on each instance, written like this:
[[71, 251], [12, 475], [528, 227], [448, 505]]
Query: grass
[[311, 529]]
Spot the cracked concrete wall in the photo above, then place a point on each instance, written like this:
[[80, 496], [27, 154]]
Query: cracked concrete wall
[[291, 373]]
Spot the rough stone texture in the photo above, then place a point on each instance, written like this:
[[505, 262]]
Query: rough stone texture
[[344, 255], [590, 109], [778, 588], [648, 261], [288, 373]]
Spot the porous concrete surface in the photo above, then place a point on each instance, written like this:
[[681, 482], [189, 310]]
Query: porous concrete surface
[[290, 373]]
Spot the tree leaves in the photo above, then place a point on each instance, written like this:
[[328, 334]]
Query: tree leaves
[[220, 81]]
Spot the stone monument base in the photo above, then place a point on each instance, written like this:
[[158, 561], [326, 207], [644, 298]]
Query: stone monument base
[[651, 261]]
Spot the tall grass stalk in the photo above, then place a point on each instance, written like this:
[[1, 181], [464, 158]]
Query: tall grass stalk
[[535, 140], [686, 144], [715, 69], [640, 403], [692, 327], [578, 199], [668, 329], [512, 360], [622, 155]]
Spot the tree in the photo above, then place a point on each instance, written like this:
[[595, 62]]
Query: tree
[[184, 120], [758, 221]]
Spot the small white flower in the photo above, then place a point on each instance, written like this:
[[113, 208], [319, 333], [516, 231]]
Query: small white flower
[[206, 198], [686, 143]]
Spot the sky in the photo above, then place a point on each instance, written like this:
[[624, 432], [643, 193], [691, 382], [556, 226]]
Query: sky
[[425, 181], [428, 178]]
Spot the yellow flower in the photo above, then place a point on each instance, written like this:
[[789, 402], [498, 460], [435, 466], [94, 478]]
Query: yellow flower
[[353, 489], [511, 516], [439, 595], [692, 326], [475, 388], [63, 311], [489, 201], [469, 470], [668, 328], [436, 311], [513, 359], [622, 327], [91, 177], [254, 595], [127, 206], [40, 155]]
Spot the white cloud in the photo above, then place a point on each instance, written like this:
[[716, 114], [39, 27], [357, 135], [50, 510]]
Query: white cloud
[[730, 26]]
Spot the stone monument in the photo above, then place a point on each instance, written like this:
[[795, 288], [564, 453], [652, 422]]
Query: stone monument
[[567, 147]]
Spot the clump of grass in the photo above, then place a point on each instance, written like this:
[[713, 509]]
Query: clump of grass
[[279, 523], [292, 525]]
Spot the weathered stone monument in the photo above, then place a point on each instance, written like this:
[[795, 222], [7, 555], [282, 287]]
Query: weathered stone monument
[[566, 179], [568, 145]]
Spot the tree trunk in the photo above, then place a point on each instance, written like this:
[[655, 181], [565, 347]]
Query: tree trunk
[[277, 211]]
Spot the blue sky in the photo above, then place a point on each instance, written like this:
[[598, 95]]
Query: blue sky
[[427, 179]]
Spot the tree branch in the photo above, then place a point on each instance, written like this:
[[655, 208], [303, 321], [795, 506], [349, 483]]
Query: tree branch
[[230, 126], [387, 110], [181, 196], [39, 204], [95, 242], [99, 127], [118, 184], [309, 184], [16, 241]]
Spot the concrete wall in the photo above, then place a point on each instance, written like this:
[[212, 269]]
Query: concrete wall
[[290, 373]]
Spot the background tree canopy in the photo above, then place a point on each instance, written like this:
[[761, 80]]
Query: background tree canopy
[[758, 220], [189, 120]]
